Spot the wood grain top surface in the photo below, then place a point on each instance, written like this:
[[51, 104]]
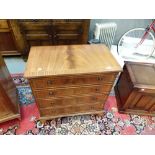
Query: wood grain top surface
[[70, 60], [142, 74]]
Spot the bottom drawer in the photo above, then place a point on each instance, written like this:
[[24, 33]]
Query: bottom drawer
[[72, 101], [72, 110]]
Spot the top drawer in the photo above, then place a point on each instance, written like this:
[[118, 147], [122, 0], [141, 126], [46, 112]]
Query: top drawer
[[40, 83]]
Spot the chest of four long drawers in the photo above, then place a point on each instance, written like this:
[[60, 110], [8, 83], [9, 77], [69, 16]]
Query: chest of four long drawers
[[71, 79], [71, 95]]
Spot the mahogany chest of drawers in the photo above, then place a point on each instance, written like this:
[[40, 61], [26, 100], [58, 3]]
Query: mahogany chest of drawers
[[135, 89], [72, 79]]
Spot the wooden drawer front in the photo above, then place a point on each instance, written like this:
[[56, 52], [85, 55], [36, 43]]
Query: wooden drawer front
[[55, 112], [35, 25], [3, 24], [72, 91], [34, 20], [68, 28], [64, 39], [37, 36], [39, 42], [67, 36], [51, 20], [62, 102], [59, 41], [64, 21], [68, 81]]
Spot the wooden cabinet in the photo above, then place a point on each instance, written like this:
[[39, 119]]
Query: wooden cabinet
[[12, 41], [23, 33], [135, 89], [71, 79], [7, 44], [55, 32], [8, 96]]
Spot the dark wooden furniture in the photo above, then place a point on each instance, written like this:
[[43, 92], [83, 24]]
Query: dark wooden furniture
[[8, 96], [55, 32], [17, 36], [7, 44], [135, 89], [71, 80], [12, 41]]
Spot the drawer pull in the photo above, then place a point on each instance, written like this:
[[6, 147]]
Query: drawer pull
[[49, 82], [94, 98], [51, 93], [55, 36], [52, 103], [97, 89], [91, 108], [53, 111], [99, 78]]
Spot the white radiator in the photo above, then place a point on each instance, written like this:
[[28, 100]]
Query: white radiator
[[105, 33]]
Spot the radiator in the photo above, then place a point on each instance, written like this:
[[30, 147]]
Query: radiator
[[105, 33]]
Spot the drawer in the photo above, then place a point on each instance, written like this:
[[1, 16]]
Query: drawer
[[3, 24], [77, 110], [67, 20], [37, 36], [63, 28], [67, 36], [35, 25], [34, 20], [50, 20], [40, 83], [71, 101], [39, 42], [60, 92]]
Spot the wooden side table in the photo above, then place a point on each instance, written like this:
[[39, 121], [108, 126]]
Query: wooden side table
[[135, 89]]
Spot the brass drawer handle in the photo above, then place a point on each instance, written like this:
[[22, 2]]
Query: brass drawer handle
[[52, 103], [51, 93], [55, 36], [99, 78], [91, 107], [50, 36], [49, 82], [53, 111], [97, 89]]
